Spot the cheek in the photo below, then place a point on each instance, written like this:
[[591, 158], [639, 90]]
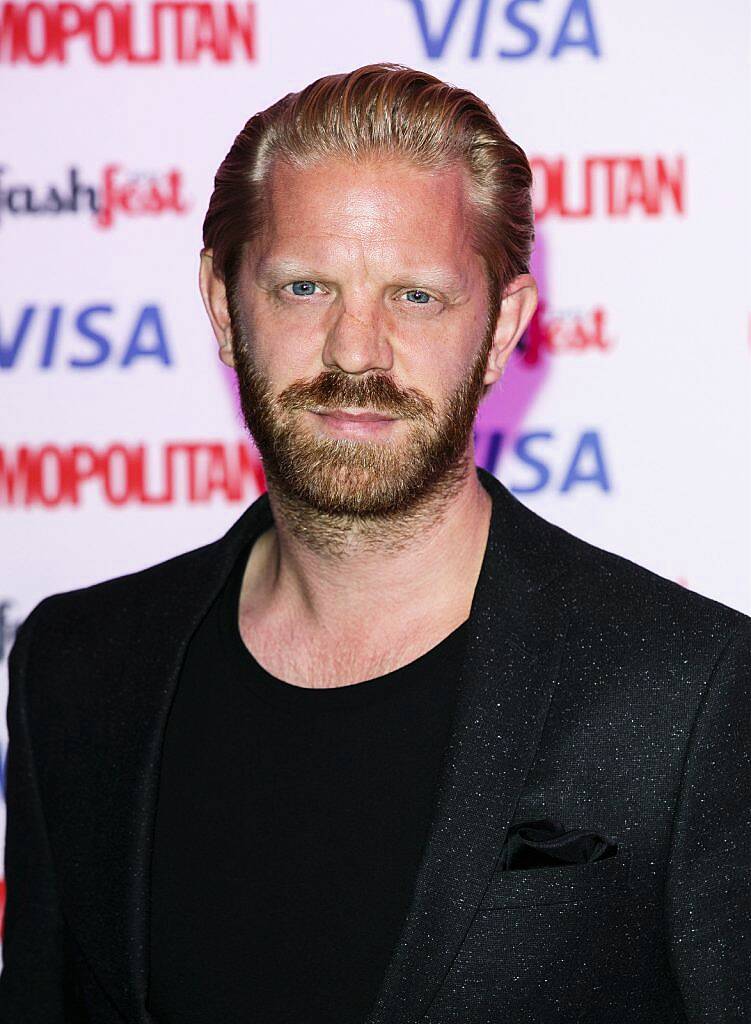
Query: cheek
[[438, 362], [435, 375], [287, 347]]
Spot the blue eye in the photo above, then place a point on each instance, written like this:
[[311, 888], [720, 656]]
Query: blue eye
[[417, 295], [303, 288]]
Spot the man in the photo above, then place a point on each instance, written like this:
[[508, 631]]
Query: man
[[394, 748]]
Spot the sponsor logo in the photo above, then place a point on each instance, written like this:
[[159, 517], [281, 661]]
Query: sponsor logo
[[55, 337], [169, 30], [608, 186], [539, 460], [8, 627], [563, 333], [193, 472], [506, 29], [197, 472], [119, 193]]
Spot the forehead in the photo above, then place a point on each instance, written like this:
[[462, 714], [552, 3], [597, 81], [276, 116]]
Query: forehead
[[382, 210]]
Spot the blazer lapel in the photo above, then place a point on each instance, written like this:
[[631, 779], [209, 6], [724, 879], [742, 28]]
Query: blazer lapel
[[108, 907], [508, 678]]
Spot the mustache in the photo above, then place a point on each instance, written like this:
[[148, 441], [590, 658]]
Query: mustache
[[332, 390]]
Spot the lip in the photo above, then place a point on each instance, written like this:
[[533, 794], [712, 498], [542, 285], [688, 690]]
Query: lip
[[359, 416], [355, 424]]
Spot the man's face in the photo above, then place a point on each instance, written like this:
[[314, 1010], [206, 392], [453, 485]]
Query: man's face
[[360, 335]]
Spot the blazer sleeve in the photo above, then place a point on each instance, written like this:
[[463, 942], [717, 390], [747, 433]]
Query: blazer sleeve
[[708, 892], [32, 984]]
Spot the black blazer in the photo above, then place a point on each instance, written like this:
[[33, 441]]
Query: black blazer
[[594, 693]]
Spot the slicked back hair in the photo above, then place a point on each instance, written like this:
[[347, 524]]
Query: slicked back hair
[[380, 111]]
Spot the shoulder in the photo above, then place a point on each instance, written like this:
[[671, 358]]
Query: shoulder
[[627, 604], [615, 608], [100, 624], [121, 593], [114, 609]]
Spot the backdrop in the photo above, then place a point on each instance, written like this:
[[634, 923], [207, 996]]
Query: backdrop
[[626, 417]]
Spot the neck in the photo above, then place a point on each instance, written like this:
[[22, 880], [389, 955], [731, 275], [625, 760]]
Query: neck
[[399, 572]]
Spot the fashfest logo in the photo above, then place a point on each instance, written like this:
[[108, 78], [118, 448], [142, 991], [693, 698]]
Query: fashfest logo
[[118, 193], [506, 29], [564, 333], [180, 31], [56, 337], [608, 186]]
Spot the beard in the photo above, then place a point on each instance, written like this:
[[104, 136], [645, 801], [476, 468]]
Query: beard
[[351, 479]]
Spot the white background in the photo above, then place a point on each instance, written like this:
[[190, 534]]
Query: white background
[[669, 400]]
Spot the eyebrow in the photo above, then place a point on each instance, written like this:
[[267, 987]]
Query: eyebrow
[[268, 269], [278, 267], [428, 277]]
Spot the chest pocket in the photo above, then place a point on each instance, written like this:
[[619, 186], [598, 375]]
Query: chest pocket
[[570, 883]]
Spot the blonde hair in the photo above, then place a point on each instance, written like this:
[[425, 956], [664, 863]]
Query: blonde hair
[[382, 110]]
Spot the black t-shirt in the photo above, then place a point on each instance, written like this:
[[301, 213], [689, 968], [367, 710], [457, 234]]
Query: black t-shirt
[[289, 830]]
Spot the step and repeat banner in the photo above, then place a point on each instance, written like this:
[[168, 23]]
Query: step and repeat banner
[[625, 418]]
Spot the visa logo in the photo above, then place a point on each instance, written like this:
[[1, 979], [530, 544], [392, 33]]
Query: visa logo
[[539, 460], [83, 339], [507, 29]]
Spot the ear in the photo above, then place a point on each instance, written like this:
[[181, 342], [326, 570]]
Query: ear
[[214, 296], [518, 303]]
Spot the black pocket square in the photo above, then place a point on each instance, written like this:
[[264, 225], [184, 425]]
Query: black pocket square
[[545, 843]]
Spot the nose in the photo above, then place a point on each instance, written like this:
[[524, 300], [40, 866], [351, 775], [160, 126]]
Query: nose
[[356, 342]]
